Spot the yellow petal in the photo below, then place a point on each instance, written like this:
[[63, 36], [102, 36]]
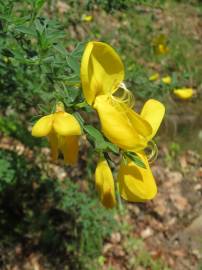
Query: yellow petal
[[184, 93], [136, 184], [116, 125], [66, 124], [70, 149], [153, 111], [105, 184], [53, 140], [154, 77], [142, 126], [166, 80], [43, 126], [101, 70]]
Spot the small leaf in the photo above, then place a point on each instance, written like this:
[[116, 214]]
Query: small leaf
[[39, 3], [74, 64], [94, 133], [61, 49], [112, 147], [72, 94], [40, 27], [26, 30], [79, 118], [54, 36], [79, 49], [99, 140], [135, 158], [48, 59], [100, 145]]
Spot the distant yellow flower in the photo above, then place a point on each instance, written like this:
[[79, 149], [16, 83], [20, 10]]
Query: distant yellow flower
[[184, 93], [167, 80], [160, 44], [137, 184], [154, 77], [62, 130], [102, 73], [162, 49], [87, 18], [105, 184]]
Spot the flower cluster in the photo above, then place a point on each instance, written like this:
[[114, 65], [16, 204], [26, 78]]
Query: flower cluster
[[160, 47], [102, 76], [156, 76], [62, 130], [183, 93]]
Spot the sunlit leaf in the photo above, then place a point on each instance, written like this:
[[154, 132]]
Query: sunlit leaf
[[135, 158]]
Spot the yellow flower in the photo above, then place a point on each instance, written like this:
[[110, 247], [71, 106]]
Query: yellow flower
[[102, 73], [87, 18], [167, 80], [154, 77], [160, 44], [137, 184], [184, 93], [105, 184], [162, 49], [62, 130]]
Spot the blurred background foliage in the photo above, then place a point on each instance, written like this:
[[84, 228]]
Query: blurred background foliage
[[41, 43]]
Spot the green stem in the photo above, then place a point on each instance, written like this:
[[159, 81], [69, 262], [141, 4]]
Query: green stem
[[120, 204], [81, 105]]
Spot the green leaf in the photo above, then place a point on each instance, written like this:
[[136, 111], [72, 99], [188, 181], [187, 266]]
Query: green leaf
[[79, 118], [72, 94], [135, 158], [99, 140], [74, 64], [26, 30], [48, 59], [94, 133], [39, 26], [54, 36], [61, 49], [106, 146], [39, 3], [79, 49], [112, 147], [100, 145]]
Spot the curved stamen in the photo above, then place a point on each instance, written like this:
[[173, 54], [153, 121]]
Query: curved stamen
[[151, 151], [123, 96]]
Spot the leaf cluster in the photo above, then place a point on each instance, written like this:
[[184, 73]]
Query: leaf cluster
[[51, 216], [35, 64]]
